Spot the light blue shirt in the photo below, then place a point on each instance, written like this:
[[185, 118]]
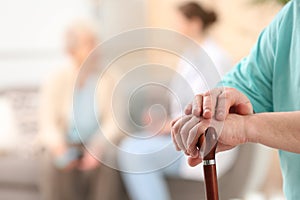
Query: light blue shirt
[[270, 77], [83, 124]]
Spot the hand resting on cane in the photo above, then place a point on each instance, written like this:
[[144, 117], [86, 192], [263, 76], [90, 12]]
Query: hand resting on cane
[[212, 109], [187, 130]]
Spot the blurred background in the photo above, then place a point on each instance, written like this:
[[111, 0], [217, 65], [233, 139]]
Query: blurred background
[[32, 47]]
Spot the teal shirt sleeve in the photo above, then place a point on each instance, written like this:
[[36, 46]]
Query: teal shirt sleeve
[[270, 77], [253, 76]]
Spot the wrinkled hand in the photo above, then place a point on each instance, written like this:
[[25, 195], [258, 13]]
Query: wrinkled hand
[[213, 109], [61, 160], [219, 103], [187, 130]]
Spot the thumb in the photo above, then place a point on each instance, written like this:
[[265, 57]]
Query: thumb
[[244, 109]]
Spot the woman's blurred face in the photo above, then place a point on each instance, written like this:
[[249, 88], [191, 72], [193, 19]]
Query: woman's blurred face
[[188, 27], [80, 44], [182, 24]]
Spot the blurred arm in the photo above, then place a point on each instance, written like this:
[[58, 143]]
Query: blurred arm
[[110, 125], [51, 132]]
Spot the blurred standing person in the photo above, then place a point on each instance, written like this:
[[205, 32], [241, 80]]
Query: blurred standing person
[[70, 172], [194, 22]]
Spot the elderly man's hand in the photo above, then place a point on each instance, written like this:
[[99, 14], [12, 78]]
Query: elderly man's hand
[[212, 109], [187, 130], [219, 103]]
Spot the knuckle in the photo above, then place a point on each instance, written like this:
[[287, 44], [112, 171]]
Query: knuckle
[[207, 94], [191, 133], [234, 90], [222, 98], [192, 148], [183, 131], [207, 100], [174, 130], [230, 89], [226, 94], [215, 92], [204, 125], [202, 128], [198, 96]]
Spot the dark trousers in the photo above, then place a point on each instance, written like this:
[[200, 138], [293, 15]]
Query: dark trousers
[[97, 184]]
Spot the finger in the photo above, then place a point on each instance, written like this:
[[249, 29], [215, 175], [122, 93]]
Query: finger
[[195, 151], [174, 121], [244, 108], [195, 133], [192, 141], [184, 132], [197, 105], [194, 161], [188, 109], [210, 102], [232, 100], [174, 141], [176, 131], [225, 102]]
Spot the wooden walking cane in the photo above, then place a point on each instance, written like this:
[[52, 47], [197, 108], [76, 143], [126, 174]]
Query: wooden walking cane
[[209, 140]]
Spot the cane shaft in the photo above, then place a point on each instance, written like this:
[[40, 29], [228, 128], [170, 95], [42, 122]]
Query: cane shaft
[[209, 140], [211, 183]]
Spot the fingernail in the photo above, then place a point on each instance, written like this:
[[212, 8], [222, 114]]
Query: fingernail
[[206, 112]]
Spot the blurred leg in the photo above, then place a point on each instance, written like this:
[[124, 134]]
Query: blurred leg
[[146, 186], [104, 184], [47, 178], [59, 185], [144, 163]]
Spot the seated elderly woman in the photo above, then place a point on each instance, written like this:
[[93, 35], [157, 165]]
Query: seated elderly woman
[[69, 128]]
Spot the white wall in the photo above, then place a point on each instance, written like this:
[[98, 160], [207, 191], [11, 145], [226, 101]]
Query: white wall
[[117, 16], [31, 30], [31, 37], [31, 44]]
